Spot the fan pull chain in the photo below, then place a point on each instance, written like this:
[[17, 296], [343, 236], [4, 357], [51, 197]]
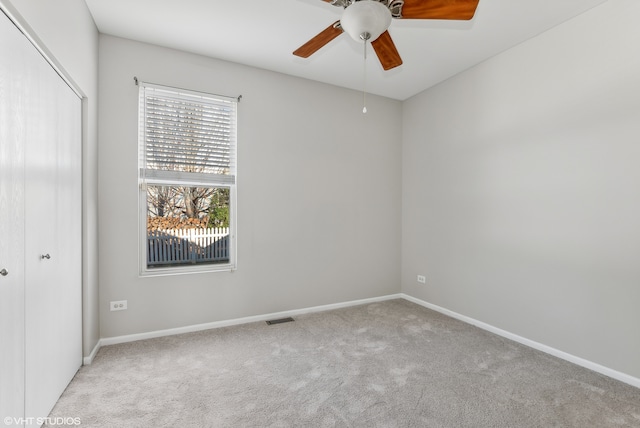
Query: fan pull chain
[[364, 79]]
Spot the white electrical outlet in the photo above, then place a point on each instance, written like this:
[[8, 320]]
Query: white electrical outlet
[[119, 305], [422, 279]]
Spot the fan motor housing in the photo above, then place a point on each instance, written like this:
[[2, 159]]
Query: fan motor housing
[[394, 6]]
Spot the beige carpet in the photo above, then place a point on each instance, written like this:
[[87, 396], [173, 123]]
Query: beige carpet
[[389, 364]]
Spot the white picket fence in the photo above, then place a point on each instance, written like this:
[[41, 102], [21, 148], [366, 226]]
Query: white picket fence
[[183, 246]]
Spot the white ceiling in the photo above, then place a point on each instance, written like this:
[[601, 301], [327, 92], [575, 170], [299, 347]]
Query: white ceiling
[[264, 34]]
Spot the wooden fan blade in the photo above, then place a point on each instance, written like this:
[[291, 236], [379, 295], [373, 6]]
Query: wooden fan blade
[[386, 51], [325, 36], [439, 9]]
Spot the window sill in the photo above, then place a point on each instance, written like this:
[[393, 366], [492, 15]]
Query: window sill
[[186, 270]]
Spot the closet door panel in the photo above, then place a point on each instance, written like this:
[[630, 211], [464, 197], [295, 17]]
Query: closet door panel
[[52, 241], [68, 241], [13, 106], [41, 281], [53, 246], [40, 215]]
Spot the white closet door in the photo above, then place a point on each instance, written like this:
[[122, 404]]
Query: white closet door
[[53, 245], [40, 215], [13, 106]]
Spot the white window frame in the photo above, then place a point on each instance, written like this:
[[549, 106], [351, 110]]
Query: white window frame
[[175, 178]]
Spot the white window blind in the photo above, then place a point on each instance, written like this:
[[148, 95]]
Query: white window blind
[[188, 137]]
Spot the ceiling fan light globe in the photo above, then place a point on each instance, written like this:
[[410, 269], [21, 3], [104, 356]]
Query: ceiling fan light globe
[[365, 16]]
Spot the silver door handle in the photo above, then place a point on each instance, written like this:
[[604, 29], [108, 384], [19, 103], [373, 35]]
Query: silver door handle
[[4, 272], [45, 256]]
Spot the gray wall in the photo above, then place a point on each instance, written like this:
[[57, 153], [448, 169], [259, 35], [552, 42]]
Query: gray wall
[[521, 189], [318, 194], [67, 31]]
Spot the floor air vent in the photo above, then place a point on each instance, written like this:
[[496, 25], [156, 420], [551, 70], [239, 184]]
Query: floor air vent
[[280, 320]]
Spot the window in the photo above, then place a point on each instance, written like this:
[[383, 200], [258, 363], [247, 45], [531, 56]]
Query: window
[[187, 180]]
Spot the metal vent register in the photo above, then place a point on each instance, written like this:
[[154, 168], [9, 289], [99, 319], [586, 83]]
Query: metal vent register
[[280, 320]]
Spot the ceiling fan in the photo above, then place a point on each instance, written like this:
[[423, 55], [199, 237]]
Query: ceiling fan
[[368, 20]]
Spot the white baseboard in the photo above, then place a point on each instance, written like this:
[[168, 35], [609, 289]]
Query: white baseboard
[[623, 377], [89, 359], [105, 341]]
